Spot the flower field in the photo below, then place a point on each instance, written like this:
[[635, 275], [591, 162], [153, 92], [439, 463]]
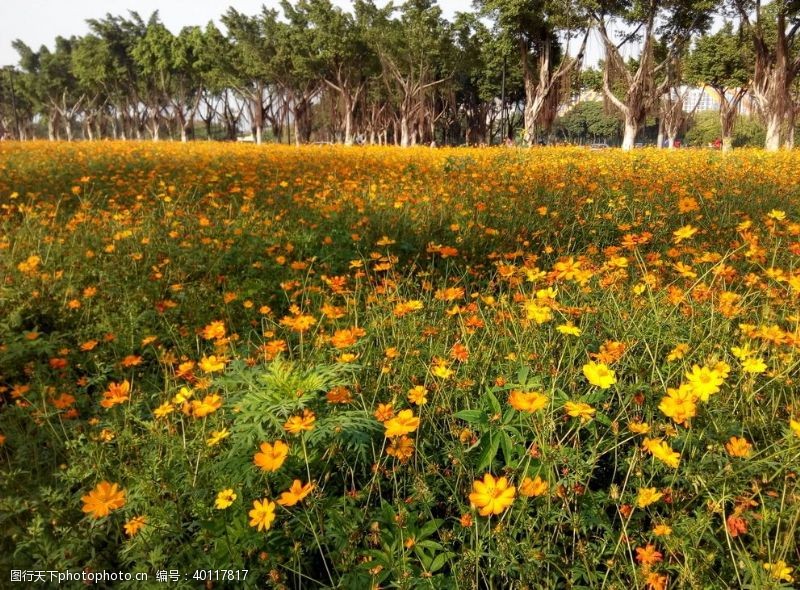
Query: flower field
[[371, 367]]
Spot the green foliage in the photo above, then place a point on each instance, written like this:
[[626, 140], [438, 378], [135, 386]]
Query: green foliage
[[705, 129]]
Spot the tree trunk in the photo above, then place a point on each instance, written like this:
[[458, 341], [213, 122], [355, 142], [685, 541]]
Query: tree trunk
[[51, 129], [727, 120], [405, 134], [631, 131], [660, 136], [774, 123]]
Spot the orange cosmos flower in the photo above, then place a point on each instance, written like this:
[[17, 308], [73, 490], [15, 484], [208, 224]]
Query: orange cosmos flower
[[738, 447], [104, 498], [214, 331], [530, 401], [296, 493], [134, 525], [117, 393], [531, 488], [271, 456], [297, 424], [492, 496]]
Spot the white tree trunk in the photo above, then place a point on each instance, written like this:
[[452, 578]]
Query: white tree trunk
[[631, 131], [774, 122]]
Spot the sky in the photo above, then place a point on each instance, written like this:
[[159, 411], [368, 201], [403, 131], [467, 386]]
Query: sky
[[39, 22]]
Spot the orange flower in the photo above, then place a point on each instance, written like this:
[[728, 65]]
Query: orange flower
[[104, 498], [738, 447], [648, 555], [531, 488], [271, 456], [492, 496], [214, 331], [296, 493], [384, 412], [527, 401], [208, 405], [117, 393], [134, 525], [401, 448], [347, 337], [297, 424]]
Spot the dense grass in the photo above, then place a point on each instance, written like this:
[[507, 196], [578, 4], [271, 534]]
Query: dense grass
[[614, 334]]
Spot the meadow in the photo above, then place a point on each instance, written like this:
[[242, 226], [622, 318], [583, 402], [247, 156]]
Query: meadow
[[380, 368]]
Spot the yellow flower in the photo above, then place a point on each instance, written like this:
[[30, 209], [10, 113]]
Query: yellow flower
[[224, 499], [134, 525], [599, 375], [418, 395], [271, 456], [662, 451], [262, 515], [212, 364], [754, 365], [647, 496], [794, 425], [662, 530], [163, 410], [684, 233], [579, 410], [531, 488], [780, 571], [738, 447], [297, 424], [639, 427], [404, 423], [527, 401], [704, 381], [296, 493], [777, 215], [217, 437], [569, 329], [104, 498], [537, 312], [678, 352], [679, 404], [492, 496], [441, 370]]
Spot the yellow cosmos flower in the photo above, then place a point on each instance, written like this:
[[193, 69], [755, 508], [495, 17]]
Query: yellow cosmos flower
[[217, 437], [599, 375], [662, 451], [262, 515], [579, 410], [271, 456], [212, 364], [794, 425], [684, 233], [679, 404], [647, 496], [224, 499], [754, 365], [404, 423], [780, 571], [523, 401], [569, 329], [704, 381], [492, 496]]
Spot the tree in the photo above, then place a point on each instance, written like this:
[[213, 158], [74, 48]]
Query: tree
[[537, 27], [773, 28], [668, 23], [722, 62]]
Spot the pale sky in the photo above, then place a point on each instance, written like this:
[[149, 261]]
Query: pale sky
[[39, 22]]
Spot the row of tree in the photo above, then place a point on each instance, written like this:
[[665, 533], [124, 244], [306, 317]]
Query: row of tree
[[406, 74]]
